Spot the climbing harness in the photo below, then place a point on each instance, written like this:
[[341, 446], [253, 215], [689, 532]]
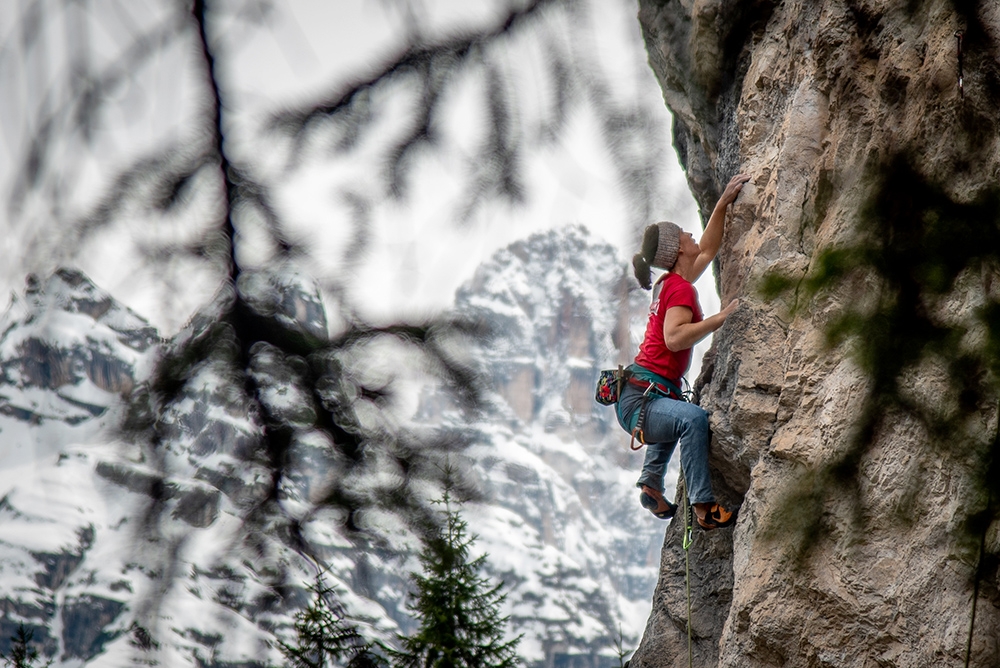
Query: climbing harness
[[609, 389], [637, 431], [652, 389], [686, 541], [610, 382]]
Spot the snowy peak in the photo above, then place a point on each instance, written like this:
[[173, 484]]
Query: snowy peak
[[559, 306], [68, 336], [70, 291], [551, 279]]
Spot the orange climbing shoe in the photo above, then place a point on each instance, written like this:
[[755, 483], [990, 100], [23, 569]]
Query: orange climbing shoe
[[653, 501], [717, 517]]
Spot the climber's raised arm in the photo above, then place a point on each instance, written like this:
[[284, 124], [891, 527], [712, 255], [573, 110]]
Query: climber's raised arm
[[711, 239]]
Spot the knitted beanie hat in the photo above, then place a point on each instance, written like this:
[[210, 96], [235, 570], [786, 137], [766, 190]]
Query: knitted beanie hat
[[666, 248]]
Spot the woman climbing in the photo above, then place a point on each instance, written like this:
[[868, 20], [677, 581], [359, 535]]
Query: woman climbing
[[649, 405]]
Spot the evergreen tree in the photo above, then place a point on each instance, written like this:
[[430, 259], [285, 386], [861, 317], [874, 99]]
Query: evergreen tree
[[22, 654], [620, 650], [326, 638], [458, 609]]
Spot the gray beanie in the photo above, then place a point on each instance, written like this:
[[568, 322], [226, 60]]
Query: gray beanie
[[666, 247]]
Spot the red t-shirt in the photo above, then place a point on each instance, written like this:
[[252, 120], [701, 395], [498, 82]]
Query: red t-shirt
[[671, 290]]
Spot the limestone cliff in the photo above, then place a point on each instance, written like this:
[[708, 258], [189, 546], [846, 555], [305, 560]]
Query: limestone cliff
[[847, 114]]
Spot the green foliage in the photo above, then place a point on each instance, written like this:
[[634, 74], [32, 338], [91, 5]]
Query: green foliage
[[326, 638], [22, 654], [458, 609], [916, 251], [620, 651]]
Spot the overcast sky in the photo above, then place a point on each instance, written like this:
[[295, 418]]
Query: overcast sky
[[417, 254]]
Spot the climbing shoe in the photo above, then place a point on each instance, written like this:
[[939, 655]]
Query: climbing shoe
[[653, 501], [717, 517]]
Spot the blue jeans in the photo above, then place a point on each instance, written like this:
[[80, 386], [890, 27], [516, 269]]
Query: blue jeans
[[667, 422]]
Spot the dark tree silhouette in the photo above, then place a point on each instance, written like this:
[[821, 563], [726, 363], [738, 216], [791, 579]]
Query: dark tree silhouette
[[458, 609], [22, 653], [325, 637]]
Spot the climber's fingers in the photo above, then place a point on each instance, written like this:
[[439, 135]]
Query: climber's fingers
[[734, 187]]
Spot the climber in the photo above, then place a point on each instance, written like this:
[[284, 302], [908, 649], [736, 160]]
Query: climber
[[650, 404]]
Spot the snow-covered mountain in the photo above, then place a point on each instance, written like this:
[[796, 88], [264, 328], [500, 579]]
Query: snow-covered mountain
[[67, 353], [562, 526], [117, 552], [114, 552]]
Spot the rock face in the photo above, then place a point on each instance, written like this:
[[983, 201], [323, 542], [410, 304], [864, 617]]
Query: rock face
[[817, 100]]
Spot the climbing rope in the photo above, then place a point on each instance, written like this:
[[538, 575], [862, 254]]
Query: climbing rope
[[686, 543]]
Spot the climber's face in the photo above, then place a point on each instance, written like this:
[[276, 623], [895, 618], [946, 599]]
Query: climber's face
[[688, 245]]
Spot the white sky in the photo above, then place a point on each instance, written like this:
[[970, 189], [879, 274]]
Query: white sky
[[306, 48]]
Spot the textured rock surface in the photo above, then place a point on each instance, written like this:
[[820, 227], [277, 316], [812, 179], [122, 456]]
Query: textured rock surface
[[806, 96]]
